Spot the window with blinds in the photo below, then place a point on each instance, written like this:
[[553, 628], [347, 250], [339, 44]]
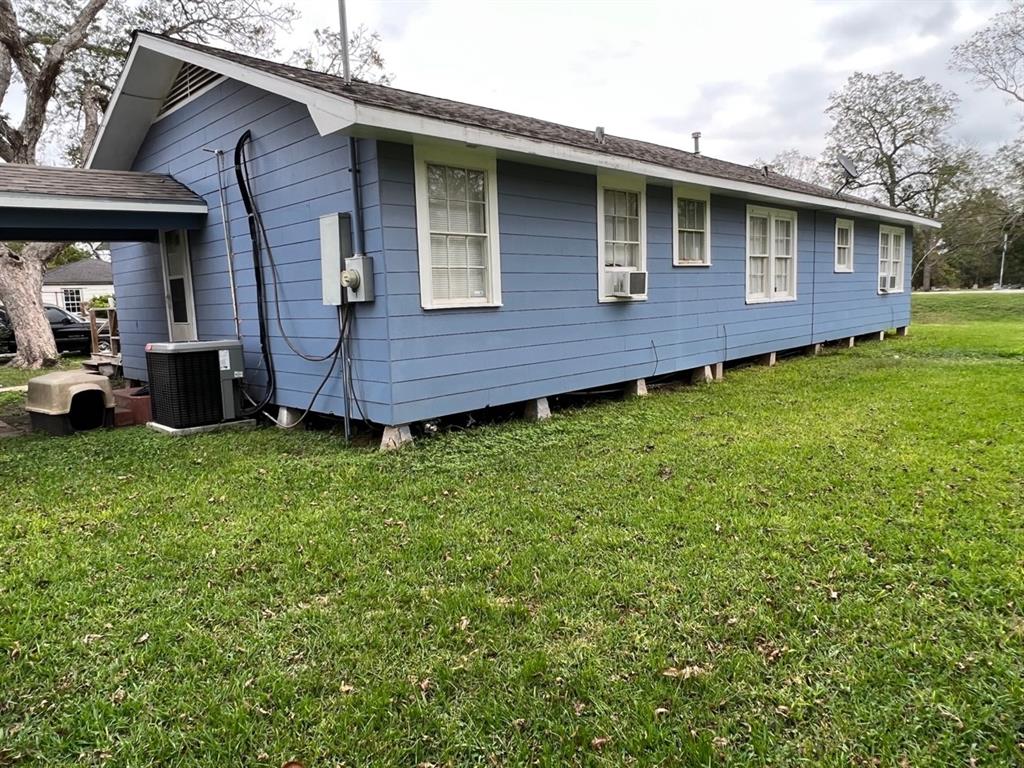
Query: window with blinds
[[191, 80], [891, 254], [458, 232], [844, 245], [457, 228], [771, 255]]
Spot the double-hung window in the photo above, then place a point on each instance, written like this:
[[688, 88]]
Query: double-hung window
[[891, 255], [844, 245], [771, 255], [692, 224], [457, 228], [621, 235]]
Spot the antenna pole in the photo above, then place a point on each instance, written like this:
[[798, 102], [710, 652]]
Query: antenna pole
[[343, 23], [1002, 261]]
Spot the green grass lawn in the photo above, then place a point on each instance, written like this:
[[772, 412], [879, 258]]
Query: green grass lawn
[[827, 558]]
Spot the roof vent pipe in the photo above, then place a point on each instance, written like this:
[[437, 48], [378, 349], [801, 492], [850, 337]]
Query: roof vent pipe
[[599, 133], [346, 68], [696, 142]]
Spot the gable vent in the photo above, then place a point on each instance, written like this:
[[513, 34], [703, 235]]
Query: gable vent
[[190, 80]]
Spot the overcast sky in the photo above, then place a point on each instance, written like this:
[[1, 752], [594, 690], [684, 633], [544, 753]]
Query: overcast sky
[[752, 76]]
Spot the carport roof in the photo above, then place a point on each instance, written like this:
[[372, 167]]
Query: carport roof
[[64, 204]]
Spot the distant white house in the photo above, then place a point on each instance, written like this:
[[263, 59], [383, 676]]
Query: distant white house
[[72, 286]]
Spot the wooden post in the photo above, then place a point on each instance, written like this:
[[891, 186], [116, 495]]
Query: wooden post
[[636, 388], [396, 437], [719, 371], [768, 359], [903, 330], [850, 342], [814, 349], [881, 335], [701, 375], [537, 410], [94, 332]]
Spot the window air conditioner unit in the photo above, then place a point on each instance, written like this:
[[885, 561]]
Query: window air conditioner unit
[[628, 285], [195, 383]]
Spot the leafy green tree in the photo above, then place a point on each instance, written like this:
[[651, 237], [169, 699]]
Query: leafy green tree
[[896, 130]]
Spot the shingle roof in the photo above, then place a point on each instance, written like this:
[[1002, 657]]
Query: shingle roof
[[82, 272], [93, 183], [519, 125]]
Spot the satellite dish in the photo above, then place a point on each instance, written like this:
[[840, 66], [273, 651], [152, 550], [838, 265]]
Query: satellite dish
[[849, 168]]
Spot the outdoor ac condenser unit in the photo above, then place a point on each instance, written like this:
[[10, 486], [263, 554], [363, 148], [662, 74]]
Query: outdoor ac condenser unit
[[195, 383]]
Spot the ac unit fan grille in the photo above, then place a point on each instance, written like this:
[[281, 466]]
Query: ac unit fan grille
[[184, 388]]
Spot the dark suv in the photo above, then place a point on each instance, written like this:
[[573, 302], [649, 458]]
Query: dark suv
[[71, 333]]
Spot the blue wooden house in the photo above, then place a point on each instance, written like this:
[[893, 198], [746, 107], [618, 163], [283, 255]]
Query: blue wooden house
[[513, 259]]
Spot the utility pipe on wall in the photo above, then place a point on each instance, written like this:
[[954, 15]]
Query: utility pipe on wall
[[226, 225]]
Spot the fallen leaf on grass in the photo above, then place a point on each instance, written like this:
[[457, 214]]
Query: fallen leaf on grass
[[142, 639], [660, 712], [686, 673], [90, 639], [598, 742], [346, 688]]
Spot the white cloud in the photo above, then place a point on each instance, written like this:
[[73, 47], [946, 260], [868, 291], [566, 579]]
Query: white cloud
[[753, 77]]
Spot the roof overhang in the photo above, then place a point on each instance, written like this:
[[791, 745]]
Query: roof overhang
[[154, 61], [62, 218]]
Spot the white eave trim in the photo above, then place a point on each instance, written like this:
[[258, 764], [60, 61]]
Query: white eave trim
[[71, 203], [392, 120], [332, 113]]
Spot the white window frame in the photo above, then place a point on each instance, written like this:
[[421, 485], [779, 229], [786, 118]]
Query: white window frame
[[844, 224], [620, 183], [886, 229], [772, 214], [476, 160], [700, 194], [78, 299]]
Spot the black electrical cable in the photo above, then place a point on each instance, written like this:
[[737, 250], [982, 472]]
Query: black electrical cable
[[346, 335], [242, 178], [261, 244], [323, 382]]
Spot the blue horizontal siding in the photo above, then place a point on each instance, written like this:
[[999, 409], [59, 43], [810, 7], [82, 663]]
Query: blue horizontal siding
[[296, 176], [551, 335]]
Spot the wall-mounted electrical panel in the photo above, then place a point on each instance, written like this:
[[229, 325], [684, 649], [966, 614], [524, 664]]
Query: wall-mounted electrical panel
[[335, 247]]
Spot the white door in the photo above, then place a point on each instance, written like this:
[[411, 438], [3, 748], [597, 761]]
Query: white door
[[181, 310]]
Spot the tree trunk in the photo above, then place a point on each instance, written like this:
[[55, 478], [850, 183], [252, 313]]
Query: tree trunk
[[926, 274], [21, 291]]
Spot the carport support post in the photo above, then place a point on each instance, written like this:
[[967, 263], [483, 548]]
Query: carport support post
[[396, 437], [537, 410]]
